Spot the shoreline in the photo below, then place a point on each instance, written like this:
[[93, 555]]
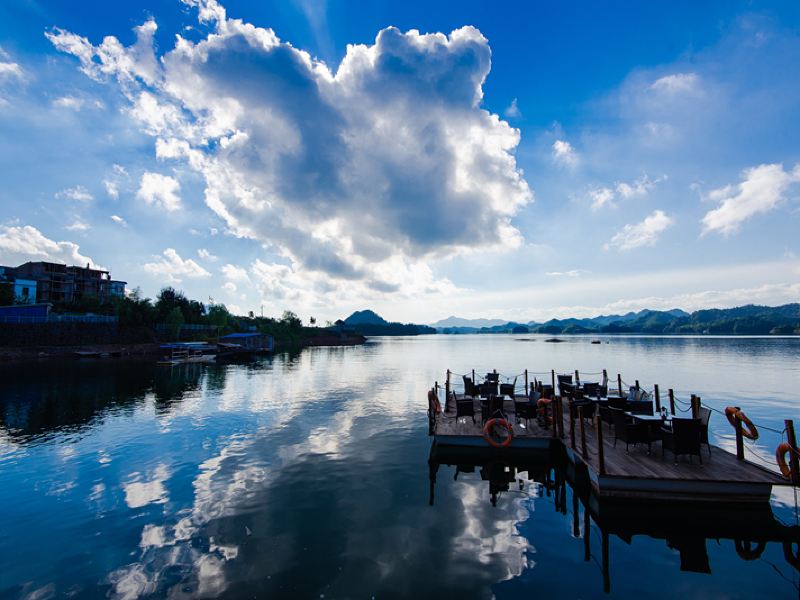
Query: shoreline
[[151, 350]]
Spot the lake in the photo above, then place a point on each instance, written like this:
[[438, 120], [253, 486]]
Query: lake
[[306, 475]]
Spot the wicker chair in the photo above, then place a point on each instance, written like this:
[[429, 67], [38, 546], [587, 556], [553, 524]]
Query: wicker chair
[[465, 408], [683, 438]]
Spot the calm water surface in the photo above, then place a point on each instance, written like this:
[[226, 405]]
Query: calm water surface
[[306, 475]]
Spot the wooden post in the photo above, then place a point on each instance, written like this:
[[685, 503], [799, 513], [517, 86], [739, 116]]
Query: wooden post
[[473, 376], [600, 454], [577, 378], [605, 381], [671, 395], [553, 380], [571, 428], [636, 383], [587, 529], [794, 463], [739, 436], [695, 406], [658, 398], [583, 434], [447, 387], [619, 383], [526, 382]]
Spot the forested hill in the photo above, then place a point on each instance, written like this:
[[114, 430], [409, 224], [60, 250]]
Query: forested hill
[[366, 322], [742, 320]]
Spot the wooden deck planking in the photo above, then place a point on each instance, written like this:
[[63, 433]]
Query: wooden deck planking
[[447, 424], [720, 466]]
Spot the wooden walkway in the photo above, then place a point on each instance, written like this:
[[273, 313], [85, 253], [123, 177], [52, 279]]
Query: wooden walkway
[[626, 474]]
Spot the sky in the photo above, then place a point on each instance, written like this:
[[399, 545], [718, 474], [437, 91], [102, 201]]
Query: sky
[[506, 160]]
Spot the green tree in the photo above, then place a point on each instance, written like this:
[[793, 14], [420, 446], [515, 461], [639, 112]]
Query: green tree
[[291, 320], [175, 320], [218, 315], [6, 294]]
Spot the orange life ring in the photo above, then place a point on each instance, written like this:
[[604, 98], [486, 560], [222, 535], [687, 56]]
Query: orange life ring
[[749, 550], [749, 430], [780, 456], [503, 423], [542, 405]]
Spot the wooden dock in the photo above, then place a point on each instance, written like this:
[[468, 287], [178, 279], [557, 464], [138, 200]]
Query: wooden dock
[[614, 472]]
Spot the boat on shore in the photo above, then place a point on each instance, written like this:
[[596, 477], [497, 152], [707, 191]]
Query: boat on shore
[[186, 352]]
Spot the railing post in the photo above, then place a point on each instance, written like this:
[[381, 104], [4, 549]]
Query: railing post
[[526, 382], [695, 406], [473, 376], [658, 398], [739, 436], [600, 453], [794, 463], [447, 387], [619, 383], [553, 381], [636, 383], [671, 395], [583, 433], [577, 378]]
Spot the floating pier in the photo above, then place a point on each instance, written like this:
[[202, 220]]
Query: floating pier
[[611, 471]]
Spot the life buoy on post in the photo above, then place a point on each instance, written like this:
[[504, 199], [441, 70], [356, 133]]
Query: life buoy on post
[[780, 457], [487, 432], [433, 403], [749, 430], [542, 407]]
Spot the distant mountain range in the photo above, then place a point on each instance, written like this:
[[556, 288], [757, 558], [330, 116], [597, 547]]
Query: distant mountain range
[[367, 322], [743, 320]]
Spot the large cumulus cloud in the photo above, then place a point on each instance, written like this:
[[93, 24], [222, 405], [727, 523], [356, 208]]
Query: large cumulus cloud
[[359, 174]]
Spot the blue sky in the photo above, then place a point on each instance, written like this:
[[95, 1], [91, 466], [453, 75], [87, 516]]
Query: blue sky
[[510, 160]]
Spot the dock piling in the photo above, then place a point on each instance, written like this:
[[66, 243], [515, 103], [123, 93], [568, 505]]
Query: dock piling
[[794, 463], [447, 387], [671, 395], [583, 434], [657, 398], [695, 406], [577, 377], [619, 383], [526, 382], [600, 454], [636, 383], [553, 380], [739, 436]]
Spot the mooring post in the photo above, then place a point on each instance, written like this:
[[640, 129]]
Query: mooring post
[[577, 378], [636, 383], [619, 383], [606, 572], [671, 395], [447, 388], [587, 529], [600, 454], [739, 436], [572, 427], [583, 433], [794, 463], [436, 388], [553, 380], [695, 407], [473, 375], [526, 382], [658, 398]]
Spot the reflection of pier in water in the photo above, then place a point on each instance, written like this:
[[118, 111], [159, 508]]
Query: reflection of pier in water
[[750, 527]]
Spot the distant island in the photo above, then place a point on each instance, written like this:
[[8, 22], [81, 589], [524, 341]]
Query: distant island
[[367, 322], [742, 320]]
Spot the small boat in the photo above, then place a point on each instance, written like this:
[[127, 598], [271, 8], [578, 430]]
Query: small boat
[[596, 342]]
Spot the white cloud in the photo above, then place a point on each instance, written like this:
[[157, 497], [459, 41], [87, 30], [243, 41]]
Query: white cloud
[[676, 83], [205, 254], [639, 187], [111, 188], [8, 68], [512, 111], [641, 234], [119, 220], [601, 197], [235, 273], [160, 190], [229, 287], [174, 269], [79, 193], [564, 153], [77, 226], [570, 273], [389, 161], [762, 188], [70, 102], [21, 244]]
